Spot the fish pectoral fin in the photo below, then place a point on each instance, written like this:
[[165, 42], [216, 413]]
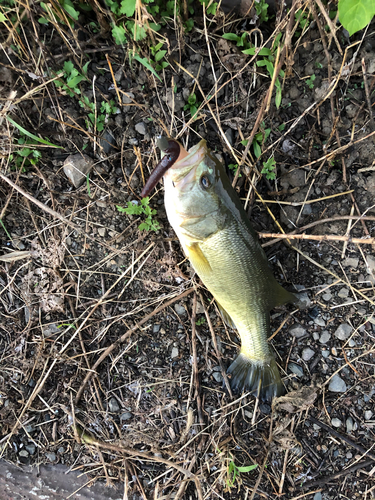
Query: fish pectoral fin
[[198, 259], [226, 317]]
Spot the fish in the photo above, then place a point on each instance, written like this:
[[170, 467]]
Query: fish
[[217, 237]]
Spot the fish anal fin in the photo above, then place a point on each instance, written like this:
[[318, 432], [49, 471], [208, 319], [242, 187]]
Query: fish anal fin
[[198, 259], [282, 296], [226, 318]]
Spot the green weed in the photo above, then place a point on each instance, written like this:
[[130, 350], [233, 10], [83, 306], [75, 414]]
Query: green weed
[[234, 168], [200, 321], [269, 169], [310, 81], [143, 209], [192, 105], [234, 471]]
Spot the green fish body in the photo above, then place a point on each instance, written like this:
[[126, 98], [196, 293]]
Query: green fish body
[[216, 235]]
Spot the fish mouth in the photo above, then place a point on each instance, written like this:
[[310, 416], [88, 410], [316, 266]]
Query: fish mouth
[[182, 173]]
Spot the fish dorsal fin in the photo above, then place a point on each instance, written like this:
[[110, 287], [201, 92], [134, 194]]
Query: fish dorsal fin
[[226, 318], [198, 259]]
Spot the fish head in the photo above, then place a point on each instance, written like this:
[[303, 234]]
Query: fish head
[[193, 194]]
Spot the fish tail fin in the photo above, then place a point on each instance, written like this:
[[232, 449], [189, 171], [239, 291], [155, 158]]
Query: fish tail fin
[[261, 378]]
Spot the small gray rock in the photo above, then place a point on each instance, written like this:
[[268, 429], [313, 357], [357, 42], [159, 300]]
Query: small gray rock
[[126, 416], [107, 141], [337, 384], [141, 128], [174, 353], [336, 422], [296, 369], [31, 448], [343, 293], [23, 453], [133, 141], [343, 332], [76, 168], [307, 354], [368, 415], [319, 321], [297, 330], [297, 177], [180, 310], [127, 97], [102, 231], [325, 354], [155, 328], [304, 301], [217, 376], [349, 425], [370, 264], [325, 336], [318, 496], [113, 405], [350, 262], [51, 456], [327, 296]]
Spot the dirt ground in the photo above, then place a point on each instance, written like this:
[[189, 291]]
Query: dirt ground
[[112, 353]]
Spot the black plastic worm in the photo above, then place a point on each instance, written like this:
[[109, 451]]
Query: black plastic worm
[[171, 150]]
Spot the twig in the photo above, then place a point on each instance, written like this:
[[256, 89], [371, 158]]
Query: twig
[[317, 237]]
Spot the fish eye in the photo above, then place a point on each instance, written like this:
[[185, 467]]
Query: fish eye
[[205, 182]]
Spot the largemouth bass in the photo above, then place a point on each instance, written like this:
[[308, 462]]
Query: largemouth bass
[[215, 234]]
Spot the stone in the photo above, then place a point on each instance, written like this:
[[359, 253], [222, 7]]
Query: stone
[[141, 128], [180, 310], [297, 178], [76, 167], [319, 321], [343, 293], [336, 422], [102, 231], [304, 301], [327, 296], [51, 456], [23, 453], [155, 328], [31, 448], [296, 369], [343, 332], [217, 376], [297, 330], [370, 261], [128, 97], [107, 141], [349, 425], [368, 414], [126, 416], [337, 384], [113, 405], [325, 336], [174, 353], [307, 354], [350, 262]]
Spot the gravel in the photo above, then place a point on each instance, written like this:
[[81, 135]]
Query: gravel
[[336, 422], [307, 354], [343, 332], [297, 330], [113, 405], [325, 337], [174, 353], [337, 384]]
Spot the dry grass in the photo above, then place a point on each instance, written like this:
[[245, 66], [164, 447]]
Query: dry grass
[[79, 307]]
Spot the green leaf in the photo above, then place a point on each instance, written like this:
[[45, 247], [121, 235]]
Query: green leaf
[[159, 55], [356, 14], [2, 18], [71, 11], [118, 33], [68, 67], [257, 150], [231, 36], [147, 65], [43, 20], [127, 7], [247, 468], [263, 52], [29, 134]]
